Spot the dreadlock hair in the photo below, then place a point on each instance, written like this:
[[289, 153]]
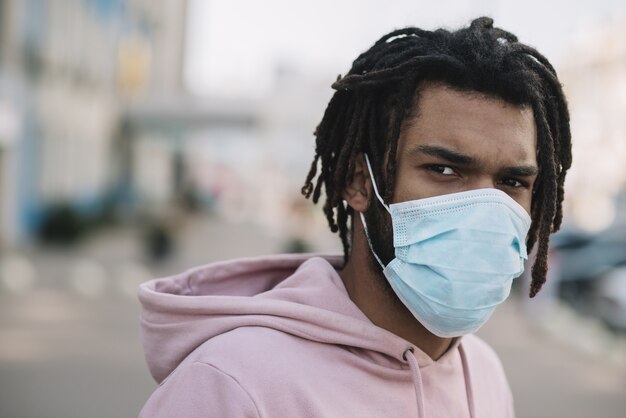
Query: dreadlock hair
[[371, 102]]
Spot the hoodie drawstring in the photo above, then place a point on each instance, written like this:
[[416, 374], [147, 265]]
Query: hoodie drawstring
[[468, 381], [417, 381], [419, 388]]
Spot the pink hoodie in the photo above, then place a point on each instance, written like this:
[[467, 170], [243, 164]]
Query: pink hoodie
[[279, 337]]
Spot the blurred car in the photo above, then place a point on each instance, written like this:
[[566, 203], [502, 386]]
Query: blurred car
[[610, 298], [590, 271]]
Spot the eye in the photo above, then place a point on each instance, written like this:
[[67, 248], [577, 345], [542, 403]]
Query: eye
[[514, 183], [442, 169]]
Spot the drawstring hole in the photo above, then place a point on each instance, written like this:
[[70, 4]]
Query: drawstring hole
[[411, 349]]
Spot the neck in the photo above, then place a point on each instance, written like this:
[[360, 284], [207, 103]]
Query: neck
[[369, 290]]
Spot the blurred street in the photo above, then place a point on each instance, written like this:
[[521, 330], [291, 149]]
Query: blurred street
[[68, 350], [553, 379]]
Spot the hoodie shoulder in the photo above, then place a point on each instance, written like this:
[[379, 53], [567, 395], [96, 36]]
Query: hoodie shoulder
[[294, 375], [195, 388], [257, 357]]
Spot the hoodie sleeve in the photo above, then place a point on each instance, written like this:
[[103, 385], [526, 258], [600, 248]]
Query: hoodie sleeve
[[199, 390]]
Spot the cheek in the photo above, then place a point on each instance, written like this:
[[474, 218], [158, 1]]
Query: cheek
[[526, 202]]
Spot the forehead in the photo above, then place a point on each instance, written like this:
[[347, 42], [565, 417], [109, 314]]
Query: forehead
[[483, 126]]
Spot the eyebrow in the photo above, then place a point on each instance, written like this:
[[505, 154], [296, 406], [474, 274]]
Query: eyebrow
[[446, 154], [521, 171], [458, 158]]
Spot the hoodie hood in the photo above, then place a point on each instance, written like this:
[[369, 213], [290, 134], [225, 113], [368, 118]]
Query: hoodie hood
[[301, 295]]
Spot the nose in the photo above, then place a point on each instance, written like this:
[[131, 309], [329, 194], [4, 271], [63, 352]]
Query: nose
[[481, 182]]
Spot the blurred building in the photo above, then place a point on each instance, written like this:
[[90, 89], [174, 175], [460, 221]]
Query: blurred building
[[173, 147], [247, 157], [67, 69], [594, 78]]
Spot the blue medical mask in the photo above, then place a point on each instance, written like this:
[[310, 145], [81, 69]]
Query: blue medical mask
[[456, 256]]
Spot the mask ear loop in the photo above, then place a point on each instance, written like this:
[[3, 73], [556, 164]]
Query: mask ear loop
[[371, 174], [367, 235], [369, 241]]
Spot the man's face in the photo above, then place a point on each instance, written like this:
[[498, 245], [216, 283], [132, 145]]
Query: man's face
[[463, 141], [459, 141]]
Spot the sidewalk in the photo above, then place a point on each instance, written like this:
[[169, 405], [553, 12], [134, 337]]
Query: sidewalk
[[552, 377], [114, 260]]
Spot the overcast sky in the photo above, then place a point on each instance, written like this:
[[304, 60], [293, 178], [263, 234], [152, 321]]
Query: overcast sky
[[234, 45]]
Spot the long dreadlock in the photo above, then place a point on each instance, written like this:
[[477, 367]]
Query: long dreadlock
[[371, 102]]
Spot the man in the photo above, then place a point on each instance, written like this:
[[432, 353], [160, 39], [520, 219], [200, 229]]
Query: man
[[451, 148]]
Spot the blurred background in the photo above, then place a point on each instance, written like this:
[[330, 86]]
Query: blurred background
[[142, 137]]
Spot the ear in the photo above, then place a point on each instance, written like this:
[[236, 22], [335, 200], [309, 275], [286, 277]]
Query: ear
[[357, 191]]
